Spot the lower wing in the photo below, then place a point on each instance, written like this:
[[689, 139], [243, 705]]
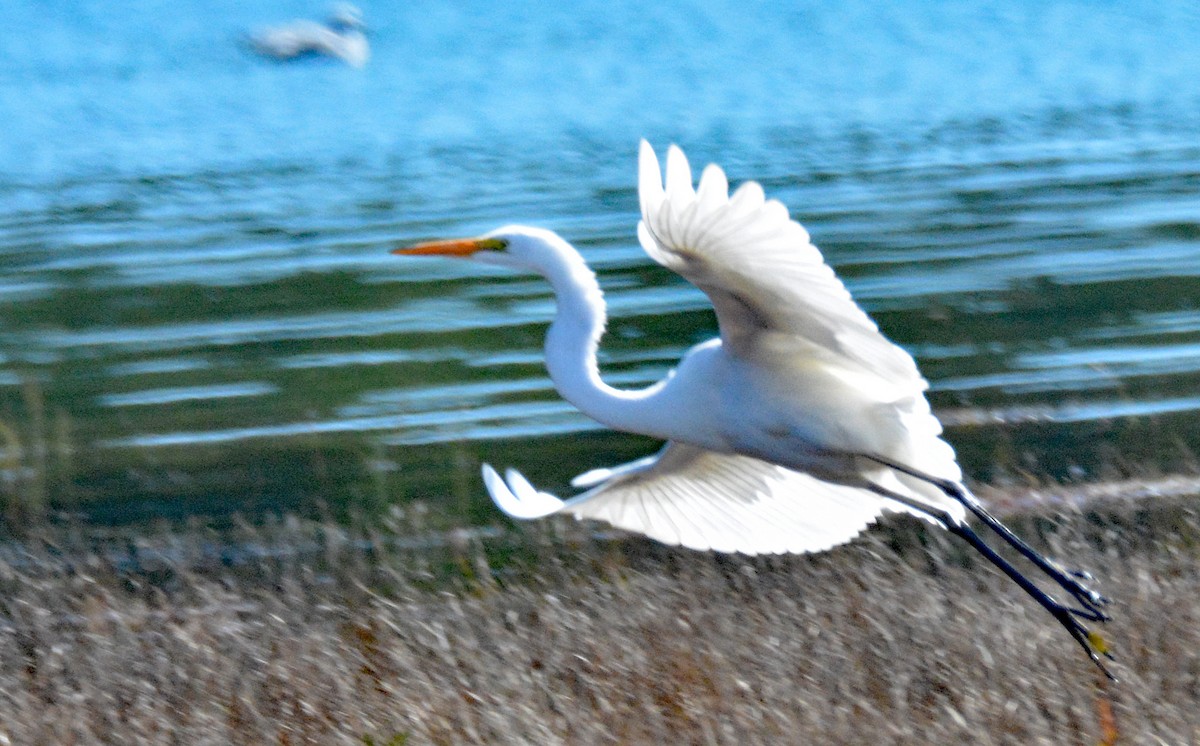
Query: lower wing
[[705, 500]]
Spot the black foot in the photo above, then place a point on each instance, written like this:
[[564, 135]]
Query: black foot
[[1092, 643], [1071, 581]]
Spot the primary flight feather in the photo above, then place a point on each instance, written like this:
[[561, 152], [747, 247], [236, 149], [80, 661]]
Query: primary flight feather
[[791, 432]]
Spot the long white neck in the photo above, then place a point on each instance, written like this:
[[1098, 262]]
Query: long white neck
[[571, 345]]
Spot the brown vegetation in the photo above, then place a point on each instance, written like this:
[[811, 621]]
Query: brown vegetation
[[901, 637]]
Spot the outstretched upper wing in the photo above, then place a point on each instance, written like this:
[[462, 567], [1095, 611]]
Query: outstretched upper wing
[[757, 266], [705, 500]]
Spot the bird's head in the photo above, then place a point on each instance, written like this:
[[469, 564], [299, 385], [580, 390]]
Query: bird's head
[[515, 246]]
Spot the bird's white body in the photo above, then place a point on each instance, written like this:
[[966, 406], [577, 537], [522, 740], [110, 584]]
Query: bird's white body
[[771, 428], [772, 399], [791, 432]]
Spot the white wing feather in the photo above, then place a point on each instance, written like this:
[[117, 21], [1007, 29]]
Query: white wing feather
[[763, 276], [703, 500], [758, 267]]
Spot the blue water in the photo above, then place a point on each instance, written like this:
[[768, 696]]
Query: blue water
[[164, 88], [198, 311]]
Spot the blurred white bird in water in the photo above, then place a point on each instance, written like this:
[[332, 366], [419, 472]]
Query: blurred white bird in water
[[340, 37], [791, 432]]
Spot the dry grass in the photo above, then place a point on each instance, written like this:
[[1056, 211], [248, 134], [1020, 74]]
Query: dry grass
[[899, 638]]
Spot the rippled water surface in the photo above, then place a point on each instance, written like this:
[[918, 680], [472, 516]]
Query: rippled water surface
[[198, 312]]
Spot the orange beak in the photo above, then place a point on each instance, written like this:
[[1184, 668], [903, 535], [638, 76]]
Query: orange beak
[[453, 247]]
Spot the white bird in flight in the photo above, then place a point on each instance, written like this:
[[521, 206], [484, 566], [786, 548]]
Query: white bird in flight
[[791, 432], [341, 37]]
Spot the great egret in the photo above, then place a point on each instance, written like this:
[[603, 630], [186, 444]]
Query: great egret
[[791, 432]]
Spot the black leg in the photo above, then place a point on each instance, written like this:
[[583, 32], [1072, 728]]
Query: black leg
[[1071, 581], [1068, 617], [1065, 615]]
